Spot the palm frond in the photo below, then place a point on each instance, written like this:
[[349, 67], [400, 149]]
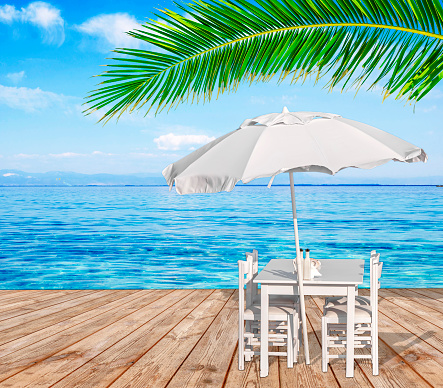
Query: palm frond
[[224, 43]]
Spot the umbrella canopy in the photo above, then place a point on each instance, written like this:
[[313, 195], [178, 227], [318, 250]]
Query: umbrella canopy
[[287, 142]]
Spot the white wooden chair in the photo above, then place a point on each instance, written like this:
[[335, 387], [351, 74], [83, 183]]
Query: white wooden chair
[[283, 319], [366, 321], [274, 300], [254, 296], [359, 300]]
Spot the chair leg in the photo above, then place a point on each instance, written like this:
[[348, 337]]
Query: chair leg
[[241, 344], [295, 336], [300, 329], [324, 345], [290, 341], [249, 346], [374, 349]]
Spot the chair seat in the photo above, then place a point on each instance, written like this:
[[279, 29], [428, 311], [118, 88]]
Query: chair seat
[[276, 313], [343, 300], [338, 314], [279, 300]]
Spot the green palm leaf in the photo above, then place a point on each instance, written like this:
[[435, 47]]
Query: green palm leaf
[[223, 43]]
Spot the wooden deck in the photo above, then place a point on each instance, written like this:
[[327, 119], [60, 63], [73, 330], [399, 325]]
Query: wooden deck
[[188, 338]]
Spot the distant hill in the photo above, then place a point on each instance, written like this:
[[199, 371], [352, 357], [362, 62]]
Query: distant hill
[[61, 178]]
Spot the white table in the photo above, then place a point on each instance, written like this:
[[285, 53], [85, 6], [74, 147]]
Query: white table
[[339, 277]]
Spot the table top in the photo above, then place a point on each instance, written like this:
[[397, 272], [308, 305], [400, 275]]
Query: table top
[[334, 271]]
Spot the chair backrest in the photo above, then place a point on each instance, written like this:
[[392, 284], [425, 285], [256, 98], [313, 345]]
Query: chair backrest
[[374, 257], [247, 271], [376, 270], [252, 288], [243, 270]]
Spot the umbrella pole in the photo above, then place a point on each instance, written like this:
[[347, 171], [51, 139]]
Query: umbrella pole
[[299, 272]]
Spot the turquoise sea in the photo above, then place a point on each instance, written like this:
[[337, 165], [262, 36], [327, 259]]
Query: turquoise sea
[[148, 237]]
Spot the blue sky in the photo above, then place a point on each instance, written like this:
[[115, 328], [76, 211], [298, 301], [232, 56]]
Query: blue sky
[[51, 50]]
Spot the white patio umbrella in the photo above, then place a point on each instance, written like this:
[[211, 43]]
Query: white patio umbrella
[[287, 142]]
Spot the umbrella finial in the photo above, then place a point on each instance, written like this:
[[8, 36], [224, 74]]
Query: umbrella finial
[[285, 110]]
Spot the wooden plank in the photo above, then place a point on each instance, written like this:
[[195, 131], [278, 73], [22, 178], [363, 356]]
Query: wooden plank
[[23, 327], [338, 367], [157, 366], [28, 303], [418, 308], [99, 306], [196, 352], [83, 296], [206, 365], [303, 375], [434, 293], [20, 296], [24, 358], [426, 290], [423, 358], [420, 356], [253, 378], [148, 328], [237, 378], [250, 377], [6, 291], [425, 330], [410, 295], [40, 303]]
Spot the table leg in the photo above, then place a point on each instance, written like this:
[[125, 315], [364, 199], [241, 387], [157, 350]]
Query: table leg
[[350, 332], [264, 332]]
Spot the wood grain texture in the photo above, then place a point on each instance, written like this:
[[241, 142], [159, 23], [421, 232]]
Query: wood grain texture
[[303, 375], [26, 357], [145, 330], [30, 303], [424, 307], [209, 361], [188, 338], [101, 306], [159, 364], [20, 326], [416, 323], [40, 303]]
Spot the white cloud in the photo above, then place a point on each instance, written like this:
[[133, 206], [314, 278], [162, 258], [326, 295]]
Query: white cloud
[[100, 153], [27, 156], [427, 109], [43, 15], [176, 142], [93, 154], [65, 155], [142, 155], [433, 94], [256, 100], [8, 13], [287, 99], [111, 29], [16, 77], [31, 100], [9, 174], [265, 100]]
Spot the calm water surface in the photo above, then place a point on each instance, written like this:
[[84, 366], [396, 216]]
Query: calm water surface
[[147, 237]]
